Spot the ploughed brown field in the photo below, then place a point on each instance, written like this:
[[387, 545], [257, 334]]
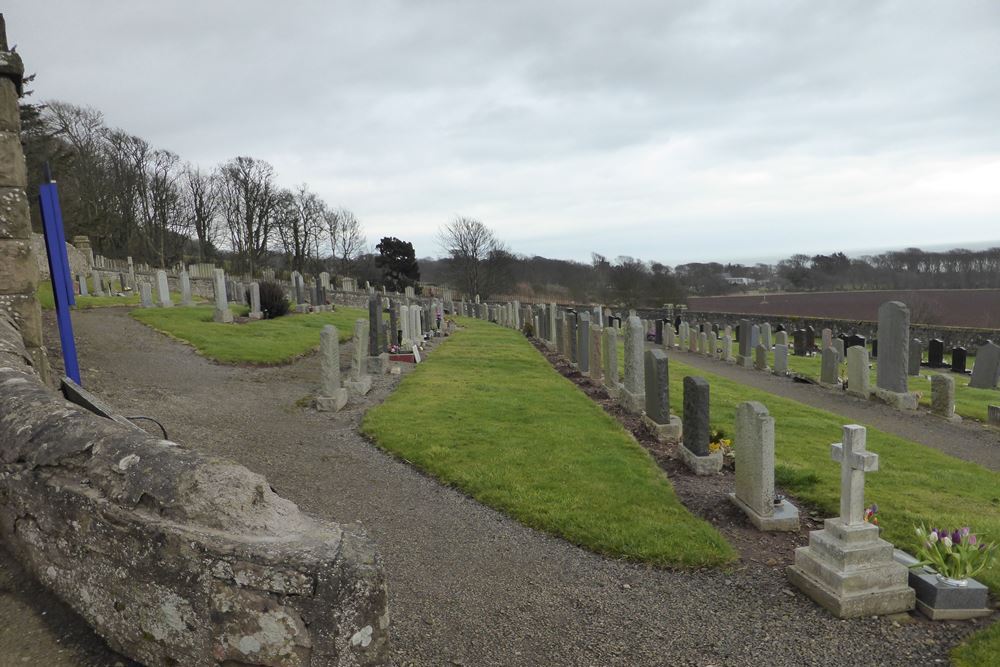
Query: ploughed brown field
[[973, 308]]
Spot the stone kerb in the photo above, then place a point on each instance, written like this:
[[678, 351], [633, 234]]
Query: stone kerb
[[175, 557]]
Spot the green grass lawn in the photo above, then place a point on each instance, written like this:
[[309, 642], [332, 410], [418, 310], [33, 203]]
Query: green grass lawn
[[259, 342], [488, 414], [48, 302], [969, 401]]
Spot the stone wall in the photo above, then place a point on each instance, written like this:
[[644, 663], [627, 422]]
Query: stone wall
[[175, 557], [79, 264]]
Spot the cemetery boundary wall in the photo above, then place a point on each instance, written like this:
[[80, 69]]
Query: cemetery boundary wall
[[175, 557], [968, 309]]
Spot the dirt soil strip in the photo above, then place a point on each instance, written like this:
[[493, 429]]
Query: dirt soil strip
[[468, 585], [968, 439]]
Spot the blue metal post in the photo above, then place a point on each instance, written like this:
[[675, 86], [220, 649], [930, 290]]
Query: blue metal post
[[62, 281]]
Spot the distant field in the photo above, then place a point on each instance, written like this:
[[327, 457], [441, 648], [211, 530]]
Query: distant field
[[977, 309]]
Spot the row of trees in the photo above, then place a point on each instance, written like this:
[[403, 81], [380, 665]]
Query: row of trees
[[134, 199]]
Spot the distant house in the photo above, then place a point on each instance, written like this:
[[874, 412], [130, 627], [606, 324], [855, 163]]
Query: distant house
[[733, 280]]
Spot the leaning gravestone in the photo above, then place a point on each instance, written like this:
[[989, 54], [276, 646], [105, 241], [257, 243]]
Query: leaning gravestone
[[694, 450], [657, 379], [858, 381], [986, 371], [222, 313], [633, 392], [754, 494], [847, 568], [331, 397], [894, 355], [360, 382]]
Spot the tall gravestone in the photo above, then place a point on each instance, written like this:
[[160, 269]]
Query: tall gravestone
[[146, 296], [583, 344], [935, 353], [760, 357], [222, 312], [916, 354], [755, 471], [360, 382], [695, 449], [375, 347], [765, 335], [959, 357], [331, 397], [894, 355], [829, 369], [185, 281], [986, 371], [657, 380], [163, 290], [743, 336], [633, 392], [83, 285], [847, 568], [573, 324], [552, 324], [255, 312], [610, 345], [596, 358]]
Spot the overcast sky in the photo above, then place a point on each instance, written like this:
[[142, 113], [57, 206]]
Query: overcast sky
[[665, 130]]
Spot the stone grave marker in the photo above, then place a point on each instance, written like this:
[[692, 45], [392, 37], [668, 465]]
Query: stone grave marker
[[847, 568], [986, 371], [583, 344], [633, 392], [82, 280], [829, 370], [781, 338], [760, 357], [694, 450], [146, 295], [916, 355], [255, 312], [993, 415], [754, 493], [573, 323], [743, 337], [800, 346], [596, 360], [658, 333], [827, 338], [858, 381], [331, 397], [765, 335], [838, 347], [935, 353], [727, 348], [163, 290], [98, 283], [360, 382], [943, 396], [222, 312], [853, 340], [780, 358], [611, 384], [894, 355], [959, 355], [185, 280], [657, 380]]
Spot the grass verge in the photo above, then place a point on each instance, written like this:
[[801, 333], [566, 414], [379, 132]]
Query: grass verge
[[48, 301], [488, 414], [258, 342]]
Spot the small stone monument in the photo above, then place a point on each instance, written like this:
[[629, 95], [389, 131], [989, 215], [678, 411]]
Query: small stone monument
[[829, 371], [657, 416], [986, 371], [255, 312], [632, 396], [916, 355], [146, 295], [83, 285], [694, 451], [163, 290], [847, 568], [332, 397], [755, 471], [943, 396], [222, 312], [360, 382], [98, 283], [744, 358], [760, 357], [858, 381], [583, 344], [596, 358], [611, 383], [185, 280]]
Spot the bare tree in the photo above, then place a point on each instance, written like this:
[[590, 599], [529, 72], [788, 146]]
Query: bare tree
[[479, 260], [347, 238], [248, 197], [300, 220], [200, 204]]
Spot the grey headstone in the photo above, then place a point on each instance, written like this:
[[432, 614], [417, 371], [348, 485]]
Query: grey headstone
[[858, 379], [829, 370], [583, 343], [754, 442], [146, 295], [255, 313], [186, 300], [780, 359], [760, 357], [697, 434], [943, 395], [374, 322], [163, 290], [986, 371], [893, 346], [916, 353], [657, 379]]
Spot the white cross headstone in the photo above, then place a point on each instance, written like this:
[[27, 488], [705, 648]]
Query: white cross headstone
[[855, 461]]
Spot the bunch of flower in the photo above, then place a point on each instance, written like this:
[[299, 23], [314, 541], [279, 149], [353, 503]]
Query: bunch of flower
[[871, 514], [718, 441], [393, 349], [959, 554]]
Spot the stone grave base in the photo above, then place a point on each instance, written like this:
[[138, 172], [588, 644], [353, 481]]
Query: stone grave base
[[865, 394], [223, 316], [744, 362], [332, 403], [664, 432], [633, 403], [829, 385], [851, 571], [359, 387], [941, 602], [614, 389], [785, 517], [302, 308], [379, 364], [701, 465], [900, 401]]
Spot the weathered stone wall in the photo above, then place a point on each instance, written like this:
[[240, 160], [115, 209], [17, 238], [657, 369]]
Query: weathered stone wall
[[174, 557], [78, 262]]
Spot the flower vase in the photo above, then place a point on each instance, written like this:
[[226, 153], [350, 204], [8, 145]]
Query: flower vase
[[948, 581]]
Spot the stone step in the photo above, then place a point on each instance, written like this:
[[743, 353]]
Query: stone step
[[874, 578], [848, 556]]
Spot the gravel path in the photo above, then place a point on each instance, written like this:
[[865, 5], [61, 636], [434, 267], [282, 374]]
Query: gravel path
[[467, 585], [968, 440]]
